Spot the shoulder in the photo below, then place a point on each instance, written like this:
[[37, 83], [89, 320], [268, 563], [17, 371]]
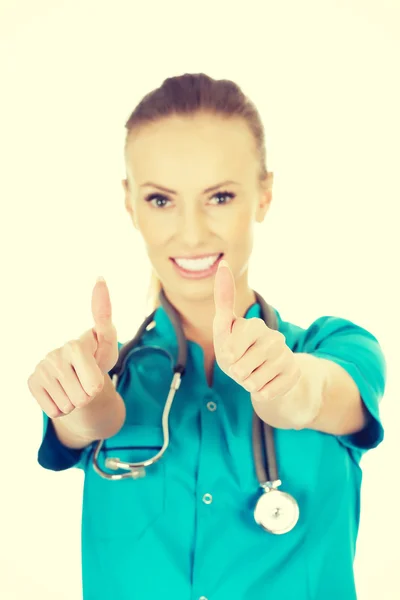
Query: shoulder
[[332, 330]]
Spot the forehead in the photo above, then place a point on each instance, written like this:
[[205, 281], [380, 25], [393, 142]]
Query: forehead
[[203, 148]]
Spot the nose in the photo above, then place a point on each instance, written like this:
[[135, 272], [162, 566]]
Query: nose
[[193, 227]]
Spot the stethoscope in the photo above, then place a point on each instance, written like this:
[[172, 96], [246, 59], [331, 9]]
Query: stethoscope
[[276, 511]]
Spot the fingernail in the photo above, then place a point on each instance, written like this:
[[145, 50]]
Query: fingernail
[[100, 278], [222, 263]]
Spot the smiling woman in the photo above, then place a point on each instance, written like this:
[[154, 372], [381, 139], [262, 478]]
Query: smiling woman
[[196, 186]]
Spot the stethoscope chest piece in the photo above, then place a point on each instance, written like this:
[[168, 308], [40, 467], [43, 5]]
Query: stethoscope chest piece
[[277, 512]]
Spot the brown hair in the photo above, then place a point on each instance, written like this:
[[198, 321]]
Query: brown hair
[[190, 94]]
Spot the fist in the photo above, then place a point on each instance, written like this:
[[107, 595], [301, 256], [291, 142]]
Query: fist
[[247, 350], [72, 376]]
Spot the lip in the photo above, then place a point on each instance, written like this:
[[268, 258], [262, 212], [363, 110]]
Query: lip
[[196, 256]]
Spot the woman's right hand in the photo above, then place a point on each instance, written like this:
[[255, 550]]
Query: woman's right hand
[[72, 376]]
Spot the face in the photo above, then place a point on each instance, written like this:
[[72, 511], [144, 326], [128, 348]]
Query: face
[[192, 189]]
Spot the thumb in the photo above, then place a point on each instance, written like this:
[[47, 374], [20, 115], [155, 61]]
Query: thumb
[[102, 313], [224, 298]]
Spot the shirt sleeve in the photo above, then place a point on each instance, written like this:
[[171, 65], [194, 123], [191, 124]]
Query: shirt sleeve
[[358, 352], [53, 455]]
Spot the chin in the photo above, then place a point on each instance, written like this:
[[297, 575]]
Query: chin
[[195, 290]]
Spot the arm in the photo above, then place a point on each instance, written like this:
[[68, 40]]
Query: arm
[[325, 398], [339, 409], [101, 419], [343, 379]]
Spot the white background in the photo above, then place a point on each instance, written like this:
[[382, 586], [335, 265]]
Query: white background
[[325, 77]]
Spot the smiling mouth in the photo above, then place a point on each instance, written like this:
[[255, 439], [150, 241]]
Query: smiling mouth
[[198, 264]]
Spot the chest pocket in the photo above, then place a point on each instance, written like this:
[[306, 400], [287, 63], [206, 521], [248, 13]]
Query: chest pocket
[[126, 508]]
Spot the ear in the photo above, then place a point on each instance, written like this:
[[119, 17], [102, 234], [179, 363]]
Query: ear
[[265, 197], [128, 201]]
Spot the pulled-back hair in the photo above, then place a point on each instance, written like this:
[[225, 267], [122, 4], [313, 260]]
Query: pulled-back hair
[[190, 94]]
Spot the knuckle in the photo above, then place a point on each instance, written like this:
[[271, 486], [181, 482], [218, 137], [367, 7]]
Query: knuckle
[[73, 347], [96, 387], [42, 370], [275, 335], [83, 399], [256, 323], [54, 359], [53, 412], [278, 341]]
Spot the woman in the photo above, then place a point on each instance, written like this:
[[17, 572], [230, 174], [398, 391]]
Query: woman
[[196, 183]]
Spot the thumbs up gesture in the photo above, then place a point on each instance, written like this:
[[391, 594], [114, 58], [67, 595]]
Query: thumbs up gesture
[[247, 350]]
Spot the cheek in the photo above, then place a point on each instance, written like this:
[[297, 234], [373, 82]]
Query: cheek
[[154, 229], [241, 237], [241, 229]]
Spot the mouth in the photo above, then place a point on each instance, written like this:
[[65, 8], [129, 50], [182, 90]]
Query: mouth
[[197, 267]]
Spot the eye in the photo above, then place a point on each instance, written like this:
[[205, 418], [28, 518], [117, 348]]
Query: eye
[[224, 195], [161, 201], [157, 197]]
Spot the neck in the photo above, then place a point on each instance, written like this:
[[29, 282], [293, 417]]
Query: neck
[[197, 315]]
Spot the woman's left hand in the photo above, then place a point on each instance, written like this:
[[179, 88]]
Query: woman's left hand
[[247, 350]]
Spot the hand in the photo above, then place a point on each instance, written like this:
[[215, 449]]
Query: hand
[[256, 357], [73, 375]]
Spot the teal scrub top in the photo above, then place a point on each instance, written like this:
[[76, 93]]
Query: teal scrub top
[[187, 531]]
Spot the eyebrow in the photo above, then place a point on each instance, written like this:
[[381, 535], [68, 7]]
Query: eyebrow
[[206, 191]]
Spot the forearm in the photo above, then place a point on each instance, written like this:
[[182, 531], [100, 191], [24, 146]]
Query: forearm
[[325, 399], [341, 409], [101, 419]]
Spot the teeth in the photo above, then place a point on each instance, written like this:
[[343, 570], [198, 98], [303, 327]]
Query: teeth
[[196, 264]]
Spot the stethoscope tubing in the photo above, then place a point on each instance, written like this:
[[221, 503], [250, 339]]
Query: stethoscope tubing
[[276, 512], [262, 434]]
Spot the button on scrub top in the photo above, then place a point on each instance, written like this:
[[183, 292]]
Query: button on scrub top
[[187, 529]]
